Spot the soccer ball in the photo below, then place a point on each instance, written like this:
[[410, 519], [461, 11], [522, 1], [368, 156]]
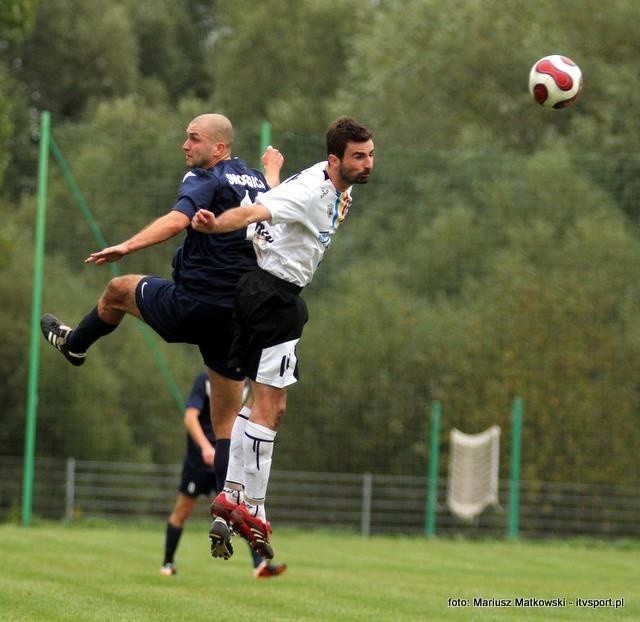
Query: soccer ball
[[555, 81]]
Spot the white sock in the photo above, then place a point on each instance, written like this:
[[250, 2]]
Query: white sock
[[256, 509], [234, 483], [258, 451]]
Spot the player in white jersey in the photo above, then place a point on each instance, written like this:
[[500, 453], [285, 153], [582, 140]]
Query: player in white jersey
[[296, 222]]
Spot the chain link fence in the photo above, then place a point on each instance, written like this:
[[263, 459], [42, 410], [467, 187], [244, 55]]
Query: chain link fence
[[365, 503]]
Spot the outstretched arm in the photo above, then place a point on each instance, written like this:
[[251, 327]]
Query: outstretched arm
[[159, 230], [230, 220], [272, 161]]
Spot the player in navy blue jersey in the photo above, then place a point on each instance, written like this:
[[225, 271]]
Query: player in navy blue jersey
[[196, 306], [198, 478]]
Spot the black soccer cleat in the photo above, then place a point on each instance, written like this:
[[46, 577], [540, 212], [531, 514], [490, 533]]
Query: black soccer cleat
[[220, 538], [56, 334]]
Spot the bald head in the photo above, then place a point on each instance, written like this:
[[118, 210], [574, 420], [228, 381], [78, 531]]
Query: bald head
[[215, 126], [209, 140]]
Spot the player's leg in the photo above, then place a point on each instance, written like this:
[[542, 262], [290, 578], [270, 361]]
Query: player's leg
[[249, 517], [214, 326], [260, 433], [232, 493], [265, 568], [181, 512], [116, 301], [273, 369], [268, 319], [226, 400], [258, 444], [234, 483], [215, 330], [234, 487]]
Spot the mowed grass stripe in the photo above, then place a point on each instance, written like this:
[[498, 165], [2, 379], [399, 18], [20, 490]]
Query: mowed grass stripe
[[103, 571]]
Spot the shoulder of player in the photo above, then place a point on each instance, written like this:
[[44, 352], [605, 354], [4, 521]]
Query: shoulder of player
[[308, 179], [198, 176], [315, 172], [226, 172]]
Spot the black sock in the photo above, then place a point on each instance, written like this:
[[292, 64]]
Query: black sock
[[171, 542], [257, 558], [221, 461], [90, 329]]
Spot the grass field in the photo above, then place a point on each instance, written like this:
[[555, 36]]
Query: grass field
[[105, 572]]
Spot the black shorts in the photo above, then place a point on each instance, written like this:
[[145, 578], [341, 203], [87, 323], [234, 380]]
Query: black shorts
[[197, 481], [268, 320], [178, 318]]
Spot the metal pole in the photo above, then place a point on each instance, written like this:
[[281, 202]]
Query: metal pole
[[434, 457], [36, 311], [514, 482], [367, 492], [70, 487]]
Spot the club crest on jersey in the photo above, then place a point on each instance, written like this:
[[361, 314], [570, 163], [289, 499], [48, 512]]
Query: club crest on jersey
[[324, 237], [338, 210]]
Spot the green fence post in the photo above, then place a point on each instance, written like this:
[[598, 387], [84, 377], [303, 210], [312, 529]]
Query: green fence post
[[514, 482], [265, 137], [36, 310], [432, 491]]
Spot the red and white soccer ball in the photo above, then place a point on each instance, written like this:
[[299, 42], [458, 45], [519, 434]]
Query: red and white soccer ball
[[555, 81]]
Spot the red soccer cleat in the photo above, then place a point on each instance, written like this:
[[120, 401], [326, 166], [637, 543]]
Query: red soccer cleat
[[253, 529], [222, 507], [265, 570]]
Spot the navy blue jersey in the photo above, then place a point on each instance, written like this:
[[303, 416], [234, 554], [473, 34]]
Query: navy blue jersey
[[208, 266], [199, 398]]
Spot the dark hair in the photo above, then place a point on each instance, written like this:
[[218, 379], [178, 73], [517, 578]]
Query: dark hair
[[345, 130]]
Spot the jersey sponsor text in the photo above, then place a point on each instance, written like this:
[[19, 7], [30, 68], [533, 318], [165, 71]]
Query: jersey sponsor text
[[245, 180]]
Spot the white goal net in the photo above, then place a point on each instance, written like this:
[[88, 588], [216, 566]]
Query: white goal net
[[472, 482]]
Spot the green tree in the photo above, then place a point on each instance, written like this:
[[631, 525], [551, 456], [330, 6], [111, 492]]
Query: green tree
[[71, 56], [173, 41], [454, 74], [16, 21], [283, 61]]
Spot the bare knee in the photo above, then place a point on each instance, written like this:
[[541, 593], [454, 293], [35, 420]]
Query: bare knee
[[119, 297]]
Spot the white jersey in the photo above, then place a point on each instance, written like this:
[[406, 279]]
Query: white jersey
[[306, 211]]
